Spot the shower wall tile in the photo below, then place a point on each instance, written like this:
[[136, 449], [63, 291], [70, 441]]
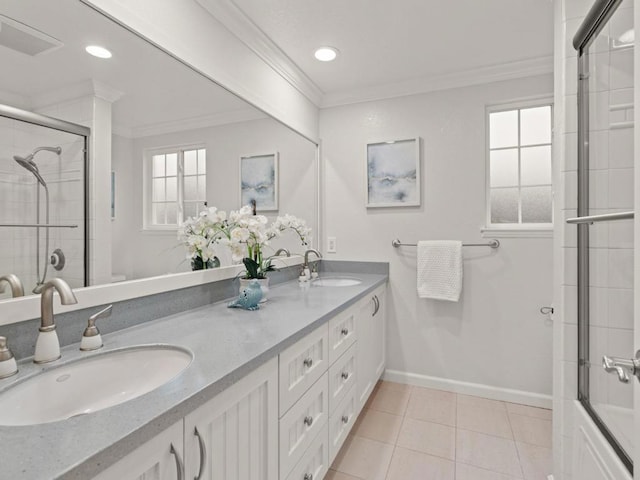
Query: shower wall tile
[[621, 308], [599, 150], [621, 234], [599, 306], [621, 188], [599, 75], [598, 267], [621, 69], [620, 268], [621, 148]]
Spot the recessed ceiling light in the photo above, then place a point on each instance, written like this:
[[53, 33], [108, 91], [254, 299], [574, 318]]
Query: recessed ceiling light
[[98, 51], [326, 54]]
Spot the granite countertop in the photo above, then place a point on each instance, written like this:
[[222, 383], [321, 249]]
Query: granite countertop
[[227, 344]]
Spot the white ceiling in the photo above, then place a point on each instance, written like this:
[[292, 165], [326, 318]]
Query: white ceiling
[[385, 42], [156, 89]]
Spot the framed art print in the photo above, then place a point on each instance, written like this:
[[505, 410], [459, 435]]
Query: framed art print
[[259, 181], [393, 173]]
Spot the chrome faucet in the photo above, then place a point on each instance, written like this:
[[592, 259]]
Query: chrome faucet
[[47, 345], [282, 250], [17, 290], [306, 256]]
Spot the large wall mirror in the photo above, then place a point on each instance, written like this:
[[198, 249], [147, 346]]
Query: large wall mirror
[[165, 141]]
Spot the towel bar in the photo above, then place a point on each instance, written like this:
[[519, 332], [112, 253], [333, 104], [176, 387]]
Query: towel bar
[[491, 243]]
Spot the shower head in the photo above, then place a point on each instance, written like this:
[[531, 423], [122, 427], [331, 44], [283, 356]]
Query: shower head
[[28, 163]]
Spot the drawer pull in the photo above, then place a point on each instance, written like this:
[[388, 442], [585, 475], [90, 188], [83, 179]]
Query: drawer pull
[[308, 421], [308, 476], [345, 375], [344, 331], [345, 419], [307, 362]]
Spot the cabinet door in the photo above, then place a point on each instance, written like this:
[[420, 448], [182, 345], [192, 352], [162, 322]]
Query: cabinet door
[[370, 346], [379, 335], [158, 459], [234, 436]]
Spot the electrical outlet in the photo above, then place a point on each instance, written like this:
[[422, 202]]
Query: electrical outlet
[[331, 245]]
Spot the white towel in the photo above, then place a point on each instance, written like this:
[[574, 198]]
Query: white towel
[[440, 269]]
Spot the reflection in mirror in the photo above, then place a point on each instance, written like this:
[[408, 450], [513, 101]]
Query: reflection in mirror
[[165, 141]]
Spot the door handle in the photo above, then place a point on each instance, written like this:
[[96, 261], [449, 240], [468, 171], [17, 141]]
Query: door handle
[[622, 367], [546, 310]]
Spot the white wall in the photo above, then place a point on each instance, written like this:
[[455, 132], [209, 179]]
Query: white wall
[[495, 335], [191, 33], [154, 253]]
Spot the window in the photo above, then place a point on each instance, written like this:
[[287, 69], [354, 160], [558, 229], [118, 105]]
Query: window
[[519, 167], [178, 185]]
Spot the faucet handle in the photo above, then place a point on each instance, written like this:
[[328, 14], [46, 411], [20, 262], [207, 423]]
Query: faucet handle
[[91, 338], [8, 365]]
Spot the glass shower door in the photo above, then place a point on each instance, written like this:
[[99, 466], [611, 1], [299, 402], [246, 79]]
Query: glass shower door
[[605, 237]]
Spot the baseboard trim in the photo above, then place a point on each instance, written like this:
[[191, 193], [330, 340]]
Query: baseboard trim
[[467, 388]]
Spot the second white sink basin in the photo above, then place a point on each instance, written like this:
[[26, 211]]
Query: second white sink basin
[[337, 282], [91, 384]]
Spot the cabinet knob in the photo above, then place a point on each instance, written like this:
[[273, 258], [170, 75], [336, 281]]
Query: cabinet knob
[[307, 362], [345, 331], [308, 476], [345, 419], [308, 421], [345, 375]]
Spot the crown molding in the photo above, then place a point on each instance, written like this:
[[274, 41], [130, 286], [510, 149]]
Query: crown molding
[[85, 88], [239, 24], [172, 126], [465, 78]]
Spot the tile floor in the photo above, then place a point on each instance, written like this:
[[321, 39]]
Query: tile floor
[[407, 433]]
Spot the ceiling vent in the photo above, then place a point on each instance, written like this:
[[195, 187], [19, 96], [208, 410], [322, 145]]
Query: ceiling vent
[[24, 39]]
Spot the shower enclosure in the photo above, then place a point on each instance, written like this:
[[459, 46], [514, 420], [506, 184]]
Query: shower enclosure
[[605, 45], [43, 224]]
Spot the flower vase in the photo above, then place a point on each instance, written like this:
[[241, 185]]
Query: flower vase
[[264, 286], [198, 264]]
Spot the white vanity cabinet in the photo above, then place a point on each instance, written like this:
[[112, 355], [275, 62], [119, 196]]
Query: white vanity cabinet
[[161, 458], [370, 347], [286, 420]]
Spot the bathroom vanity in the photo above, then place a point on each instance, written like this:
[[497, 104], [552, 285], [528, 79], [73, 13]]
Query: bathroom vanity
[[270, 394]]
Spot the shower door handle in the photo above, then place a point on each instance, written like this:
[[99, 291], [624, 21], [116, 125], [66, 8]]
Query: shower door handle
[[622, 366]]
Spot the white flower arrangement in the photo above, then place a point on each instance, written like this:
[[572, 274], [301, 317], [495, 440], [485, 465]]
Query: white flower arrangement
[[243, 232]]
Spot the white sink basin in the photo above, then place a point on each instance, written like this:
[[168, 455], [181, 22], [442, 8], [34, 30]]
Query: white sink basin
[[91, 384], [337, 282]]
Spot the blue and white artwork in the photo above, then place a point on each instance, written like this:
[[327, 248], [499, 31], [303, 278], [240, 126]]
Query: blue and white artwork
[[393, 173], [259, 181]]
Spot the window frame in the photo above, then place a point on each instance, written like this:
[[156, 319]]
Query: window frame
[[515, 229], [148, 155]]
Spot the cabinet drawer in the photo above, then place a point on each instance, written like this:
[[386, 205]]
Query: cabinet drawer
[[301, 424], [342, 376], [314, 464], [342, 333], [301, 365], [340, 423]]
